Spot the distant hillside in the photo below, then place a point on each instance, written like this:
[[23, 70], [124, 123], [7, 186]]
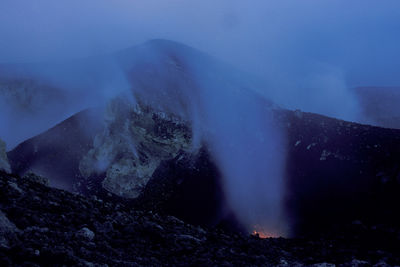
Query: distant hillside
[[380, 105], [36, 96]]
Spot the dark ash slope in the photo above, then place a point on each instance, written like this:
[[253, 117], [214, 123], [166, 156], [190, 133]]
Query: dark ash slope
[[46, 226]]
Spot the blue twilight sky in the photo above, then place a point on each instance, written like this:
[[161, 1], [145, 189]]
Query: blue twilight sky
[[288, 42]]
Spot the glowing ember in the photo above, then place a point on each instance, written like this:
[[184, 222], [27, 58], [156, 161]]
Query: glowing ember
[[262, 233]]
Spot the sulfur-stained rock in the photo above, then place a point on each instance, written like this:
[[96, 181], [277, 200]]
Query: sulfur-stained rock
[[134, 142]]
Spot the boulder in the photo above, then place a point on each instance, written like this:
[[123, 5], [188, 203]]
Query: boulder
[[36, 178], [85, 233]]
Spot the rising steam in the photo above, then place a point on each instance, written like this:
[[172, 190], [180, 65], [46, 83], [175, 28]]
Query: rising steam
[[302, 55], [228, 116]]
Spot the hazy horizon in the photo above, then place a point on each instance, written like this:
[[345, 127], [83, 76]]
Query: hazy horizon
[[281, 41]]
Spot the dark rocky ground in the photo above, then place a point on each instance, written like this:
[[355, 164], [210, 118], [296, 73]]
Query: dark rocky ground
[[41, 226]]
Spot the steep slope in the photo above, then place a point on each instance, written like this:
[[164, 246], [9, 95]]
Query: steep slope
[[340, 171], [57, 152], [379, 105]]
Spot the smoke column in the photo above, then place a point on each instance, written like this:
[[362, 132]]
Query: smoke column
[[249, 151], [230, 117]]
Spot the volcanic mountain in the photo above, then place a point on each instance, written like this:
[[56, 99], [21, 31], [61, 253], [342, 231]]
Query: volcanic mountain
[[152, 139], [145, 143]]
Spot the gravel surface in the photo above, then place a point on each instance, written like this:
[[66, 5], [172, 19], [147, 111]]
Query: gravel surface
[[46, 226]]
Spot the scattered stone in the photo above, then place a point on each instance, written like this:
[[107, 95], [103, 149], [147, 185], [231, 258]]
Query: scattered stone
[[15, 187], [36, 229], [323, 264], [7, 230], [188, 238], [311, 145], [359, 263], [113, 234], [324, 155], [36, 178], [86, 233], [283, 262]]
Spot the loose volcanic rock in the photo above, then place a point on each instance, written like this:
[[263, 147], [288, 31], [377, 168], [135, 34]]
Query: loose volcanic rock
[[59, 228], [36, 178], [7, 230], [85, 233]]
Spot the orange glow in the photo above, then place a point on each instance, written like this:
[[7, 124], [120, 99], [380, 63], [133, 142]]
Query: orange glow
[[262, 233]]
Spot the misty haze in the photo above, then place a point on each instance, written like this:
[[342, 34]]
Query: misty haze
[[199, 133]]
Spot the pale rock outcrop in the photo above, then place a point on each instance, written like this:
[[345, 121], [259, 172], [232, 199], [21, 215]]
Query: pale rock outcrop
[[135, 140]]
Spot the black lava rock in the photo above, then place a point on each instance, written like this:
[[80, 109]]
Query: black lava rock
[[48, 226]]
